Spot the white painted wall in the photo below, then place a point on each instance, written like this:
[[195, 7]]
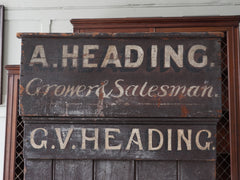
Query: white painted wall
[[54, 16]]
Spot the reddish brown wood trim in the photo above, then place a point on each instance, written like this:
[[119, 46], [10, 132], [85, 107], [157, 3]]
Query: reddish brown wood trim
[[10, 138], [227, 24], [175, 22], [235, 103], [237, 51]]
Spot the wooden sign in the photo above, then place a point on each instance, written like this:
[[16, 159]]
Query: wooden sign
[[121, 75], [152, 142]]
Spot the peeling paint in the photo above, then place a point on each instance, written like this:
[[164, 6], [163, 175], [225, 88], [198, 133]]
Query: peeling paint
[[184, 111]]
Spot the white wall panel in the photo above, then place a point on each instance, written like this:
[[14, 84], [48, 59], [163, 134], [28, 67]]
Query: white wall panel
[[109, 3], [61, 26], [67, 14], [12, 45], [237, 2], [2, 142]]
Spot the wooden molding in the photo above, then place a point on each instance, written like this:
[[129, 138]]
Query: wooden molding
[[10, 138], [117, 24]]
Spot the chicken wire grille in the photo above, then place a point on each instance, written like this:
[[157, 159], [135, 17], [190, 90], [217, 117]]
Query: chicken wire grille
[[223, 168], [19, 162]]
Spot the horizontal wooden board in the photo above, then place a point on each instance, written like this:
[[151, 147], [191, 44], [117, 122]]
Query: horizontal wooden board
[[121, 75], [150, 142]]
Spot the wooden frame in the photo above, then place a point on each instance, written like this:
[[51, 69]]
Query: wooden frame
[[229, 25], [226, 24], [11, 123], [1, 48]]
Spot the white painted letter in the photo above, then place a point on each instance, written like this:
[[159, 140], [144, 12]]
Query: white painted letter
[[140, 56], [207, 145], [188, 140], [94, 138], [60, 140], [154, 56], [192, 60], [39, 50], [176, 57], [120, 88], [36, 92], [107, 137], [67, 55], [169, 139], [138, 142], [43, 143], [150, 139], [111, 57], [87, 56]]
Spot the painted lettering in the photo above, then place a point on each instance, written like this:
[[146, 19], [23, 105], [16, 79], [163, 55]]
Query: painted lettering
[[111, 57], [94, 138], [135, 132], [150, 139], [87, 56], [43, 143], [38, 56], [187, 140], [109, 136], [140, 55], [197, 140], [191, 56], [62, 143], [66, 55], [171, 54]]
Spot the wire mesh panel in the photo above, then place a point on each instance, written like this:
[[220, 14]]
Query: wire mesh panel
[[223, 143], [19, 166], [19, 161]]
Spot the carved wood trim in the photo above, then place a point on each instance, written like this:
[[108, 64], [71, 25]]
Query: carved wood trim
[[11, 119]]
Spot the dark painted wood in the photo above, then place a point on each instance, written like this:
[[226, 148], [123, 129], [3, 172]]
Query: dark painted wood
[[38, 169], [58, 141], [118, 89], [200, 170], [155, 170], [117, 170], [73, 169]]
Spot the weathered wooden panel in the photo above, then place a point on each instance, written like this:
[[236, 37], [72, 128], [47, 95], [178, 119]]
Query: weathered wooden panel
[[155, 170], [73, 169], [117, 170], [121, 75], [197, 170], [38, 169], [156, 142]]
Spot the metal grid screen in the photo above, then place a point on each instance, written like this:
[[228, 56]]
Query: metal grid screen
[[223, 171], [223, 146], [19, 164]]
